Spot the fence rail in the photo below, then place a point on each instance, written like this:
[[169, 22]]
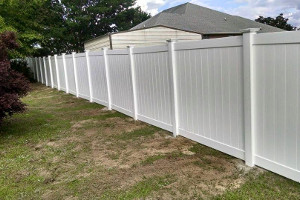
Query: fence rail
[[239, 95]]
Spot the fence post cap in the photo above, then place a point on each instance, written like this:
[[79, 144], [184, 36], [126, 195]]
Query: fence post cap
[[104, 48], [130, 46], [73, 53], [250, 30], [63, 54]]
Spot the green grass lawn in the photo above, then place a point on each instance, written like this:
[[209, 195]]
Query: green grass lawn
[[63, 147]]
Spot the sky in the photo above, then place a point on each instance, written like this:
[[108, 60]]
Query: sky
[[245, 8]]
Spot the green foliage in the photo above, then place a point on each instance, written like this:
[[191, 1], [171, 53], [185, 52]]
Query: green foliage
[[13, 85], [20, 16], [56, 26], [279, 22], [21, 66], [69, 23]]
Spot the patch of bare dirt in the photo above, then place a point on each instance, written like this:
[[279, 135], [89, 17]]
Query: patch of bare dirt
[[213, 176], [80, 124], [116, 125], [119, 164]]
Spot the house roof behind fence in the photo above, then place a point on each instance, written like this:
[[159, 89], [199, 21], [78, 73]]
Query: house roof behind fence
[[194, 18]]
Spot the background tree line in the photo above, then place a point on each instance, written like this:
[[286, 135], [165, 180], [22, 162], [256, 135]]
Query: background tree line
[[46, 27]]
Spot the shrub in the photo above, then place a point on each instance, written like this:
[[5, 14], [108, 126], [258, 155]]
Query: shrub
[[20, 65], [13, 85]]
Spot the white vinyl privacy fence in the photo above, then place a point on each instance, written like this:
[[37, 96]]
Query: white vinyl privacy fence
[[239, 95]]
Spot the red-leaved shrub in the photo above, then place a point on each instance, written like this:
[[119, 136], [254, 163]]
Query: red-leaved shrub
[[13, 85]]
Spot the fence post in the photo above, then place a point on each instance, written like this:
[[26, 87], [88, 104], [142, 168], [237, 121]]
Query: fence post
[[57, 72], [41, 71], [51, 73], [45, 69], [75, 73], [107, 78], [249, 95], [88, 64], [65, 70], [36, 69], [173, 79], [133, 81]]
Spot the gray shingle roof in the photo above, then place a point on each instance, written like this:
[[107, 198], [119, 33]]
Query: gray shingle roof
[[194, 18]]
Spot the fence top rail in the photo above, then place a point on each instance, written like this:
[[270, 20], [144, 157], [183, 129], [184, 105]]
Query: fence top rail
[[234, 41], [78, 55], [285, 37], [96, 53], [151, 49], [117, 52]]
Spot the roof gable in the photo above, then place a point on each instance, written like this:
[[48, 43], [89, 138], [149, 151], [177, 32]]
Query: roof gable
[[191, 17]]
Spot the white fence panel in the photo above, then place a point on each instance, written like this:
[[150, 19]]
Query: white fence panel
[[70, 73], [240, 95], [82, 74], [61, 73], [54, 73], [120, 81], [48, 72], [210, 94], [42, 68], [277, 77], [153, 86], [98, 77]]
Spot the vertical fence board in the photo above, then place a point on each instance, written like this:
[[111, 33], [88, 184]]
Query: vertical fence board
[[61, 71], [54, 71], [49, 82], [70, 72], [280, 96]]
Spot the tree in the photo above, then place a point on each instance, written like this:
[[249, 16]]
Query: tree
[[13, 85], [20, 16], [48, 27], [279, 22], [69, 23]]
